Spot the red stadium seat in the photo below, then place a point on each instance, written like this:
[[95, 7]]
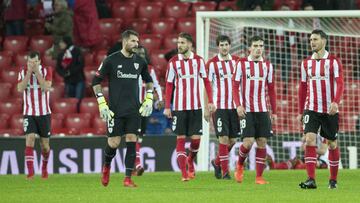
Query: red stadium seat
[[16, 44], [177, 9], [78, 120], [9, 75], [92, 131], [48, 61], [170, 41], [65, 131], [57, 121], [89, 58], [11, 132], [202, 6], [89, 76], [21, 59], [41, 43], [16, 121], [34, 27], [89, 105], [15, 94], [10, 107], [110, 26], [158, 58], [4, 121], [151, 42], [65, 105], [5, 91], [187, 25], [100, 56], [57, 91], [98, 123], [163, 26], [139, 25], [123, 10], [5, 59], [150, 10], [228, 5]]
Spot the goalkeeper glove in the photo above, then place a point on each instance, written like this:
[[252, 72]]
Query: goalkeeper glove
[[105, 113], [147, 105]]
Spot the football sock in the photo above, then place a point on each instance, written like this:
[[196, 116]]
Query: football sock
[[224, 158], [334, 156], [137, 160], [243, 152], [109, 154], [181, 155], [260, 156], [194, 148], [45, 158], [29, 159], [130, 158], [310, 161]]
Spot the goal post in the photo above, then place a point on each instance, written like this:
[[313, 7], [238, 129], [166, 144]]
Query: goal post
[[286, 36]]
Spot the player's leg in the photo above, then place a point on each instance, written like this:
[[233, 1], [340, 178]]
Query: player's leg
[[179, 127], [114, 131], [195, 130], [247, 126], [311, 124], [224, 156], [329, 130], [139, 170], [218, 125], [30, 130], [130, 157], [44, 124], [260, 157]]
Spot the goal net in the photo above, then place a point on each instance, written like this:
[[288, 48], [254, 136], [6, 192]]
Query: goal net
[[286, 36]]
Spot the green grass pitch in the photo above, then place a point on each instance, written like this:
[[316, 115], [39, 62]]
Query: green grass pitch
[[167, 187]]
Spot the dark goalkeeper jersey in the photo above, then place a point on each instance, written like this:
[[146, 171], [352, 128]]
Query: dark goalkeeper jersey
[[123, 75]]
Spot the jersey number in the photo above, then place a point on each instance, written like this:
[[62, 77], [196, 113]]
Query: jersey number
[[306, 118], [242, 123]]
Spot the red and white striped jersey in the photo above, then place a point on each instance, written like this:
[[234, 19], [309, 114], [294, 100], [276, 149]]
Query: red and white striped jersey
[[252, 77], [323, 82], [220, 75], [36, 101], [142, 85], [185, 75]]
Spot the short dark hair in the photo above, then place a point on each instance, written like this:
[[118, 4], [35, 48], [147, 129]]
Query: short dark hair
[[255, 39], [186, 36], [222, 38], [33, 54], [126, 34], [319, 32]]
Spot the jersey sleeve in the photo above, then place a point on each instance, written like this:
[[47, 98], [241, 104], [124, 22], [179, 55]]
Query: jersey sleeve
[[21, 74], [211, 71], [339, 78], [270, 77], [145, 74], [104, 69], [157, 86], [202, 69], [170, 73], [303, 72]]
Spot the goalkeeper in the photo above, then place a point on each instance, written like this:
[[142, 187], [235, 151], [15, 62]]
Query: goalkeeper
[[124, 111]]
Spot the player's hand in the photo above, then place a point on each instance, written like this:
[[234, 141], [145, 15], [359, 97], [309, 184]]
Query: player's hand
[[147, 105], [160, 104], [333, 108], [241, 111], [105, 113], [212, 108], [300, 118], [167, 113], [207, 114]]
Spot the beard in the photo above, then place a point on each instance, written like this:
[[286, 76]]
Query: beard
[[183, 51]]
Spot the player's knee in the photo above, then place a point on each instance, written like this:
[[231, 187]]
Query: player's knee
[[224, 139], [30, 140], [261, 142], [44, 144], [232, 141], [248, 142], [310, 139], [332, 144], [113, 142], [131, 138]]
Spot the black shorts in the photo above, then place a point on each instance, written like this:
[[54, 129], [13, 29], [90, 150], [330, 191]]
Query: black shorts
[[256, 124], [124, 125], [187, 122], [227, 123], [329, 124], [144, 122], [37, 124]]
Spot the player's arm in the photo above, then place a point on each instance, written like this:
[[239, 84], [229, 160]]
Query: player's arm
[[23, 82], [209, 69], [302, 90], [207, 86], [339, 79], [147, 105], [156, 84], [45, 83], [271, 91], [105, 113], [169, 86], [236, 84]]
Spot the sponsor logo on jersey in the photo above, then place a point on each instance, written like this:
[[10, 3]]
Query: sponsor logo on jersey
[[126, 75]]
